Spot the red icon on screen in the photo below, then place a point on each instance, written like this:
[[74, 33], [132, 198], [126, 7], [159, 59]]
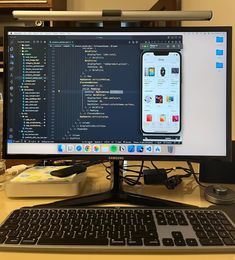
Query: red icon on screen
[[175, 118], [149, 118]]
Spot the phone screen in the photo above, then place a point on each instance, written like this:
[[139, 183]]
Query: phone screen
[[161, 92]]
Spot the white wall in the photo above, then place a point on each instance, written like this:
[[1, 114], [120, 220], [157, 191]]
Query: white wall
[[94, 5], [223, 14]]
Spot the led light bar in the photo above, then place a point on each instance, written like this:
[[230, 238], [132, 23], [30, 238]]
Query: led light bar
[[112, 15]]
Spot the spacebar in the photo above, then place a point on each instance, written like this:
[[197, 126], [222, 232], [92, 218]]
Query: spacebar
[[72, 241]]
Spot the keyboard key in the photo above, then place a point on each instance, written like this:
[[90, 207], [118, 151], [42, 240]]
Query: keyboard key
[[162, 222], [219, 228], [2, 239], [29, 241], [11, 240], [172, 221], [117, 242], [191, 242], [135, 242], [182, 222], [198, 227], [3, 233], [179, 242], [47, 234], [229, 228], [201, 234], [9, 227], [94, 241], [151, 242], [223, 234], [72, 241], [228, 241], [167, 242], [211, 242], [208, 228], [232, 233], [212, 234], [220, 215], [177, 234]]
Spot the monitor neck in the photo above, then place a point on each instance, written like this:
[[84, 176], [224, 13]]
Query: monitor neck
[[116, 176]]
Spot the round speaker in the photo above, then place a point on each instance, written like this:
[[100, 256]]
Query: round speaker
[[219, 194]]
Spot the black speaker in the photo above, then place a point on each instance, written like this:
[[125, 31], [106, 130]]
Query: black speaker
[[217, 171]]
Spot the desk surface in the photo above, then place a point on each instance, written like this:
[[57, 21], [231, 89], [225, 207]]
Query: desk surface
[[187, 192]]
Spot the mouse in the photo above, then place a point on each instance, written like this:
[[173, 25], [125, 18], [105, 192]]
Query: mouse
[[68, 171]]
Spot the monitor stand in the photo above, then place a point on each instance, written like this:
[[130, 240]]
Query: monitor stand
[[115, 195]]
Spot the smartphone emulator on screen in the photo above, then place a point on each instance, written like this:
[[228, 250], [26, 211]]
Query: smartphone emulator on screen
[[161, 92]]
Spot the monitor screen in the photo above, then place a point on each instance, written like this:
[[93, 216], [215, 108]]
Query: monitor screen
[[117, 93]]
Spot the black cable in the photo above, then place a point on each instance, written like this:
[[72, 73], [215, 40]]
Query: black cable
[[188, 171], [168, 170], [107, 168], [138, 177], [130, 181], [169, 181], [128, 178], [155, 167], [178, 177], [194, 174], [135, 165], [108, 171], [128, 170]]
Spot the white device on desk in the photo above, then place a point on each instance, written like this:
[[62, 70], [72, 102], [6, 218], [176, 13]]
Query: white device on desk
[[38, 182]]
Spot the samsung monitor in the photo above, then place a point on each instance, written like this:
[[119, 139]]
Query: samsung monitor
[[117, 94], [135, 94]]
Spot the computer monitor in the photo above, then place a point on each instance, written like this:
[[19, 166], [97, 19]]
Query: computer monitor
[[135, 94], [118, 94]]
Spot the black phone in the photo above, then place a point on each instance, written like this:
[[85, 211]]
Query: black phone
[[161, 92]]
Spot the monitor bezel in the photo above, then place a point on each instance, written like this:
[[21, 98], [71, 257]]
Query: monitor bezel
[[227, 157]]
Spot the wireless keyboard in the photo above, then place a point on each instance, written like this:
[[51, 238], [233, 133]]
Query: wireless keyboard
[[118, 229]]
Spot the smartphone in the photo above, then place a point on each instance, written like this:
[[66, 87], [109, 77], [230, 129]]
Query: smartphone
[[161, 92]]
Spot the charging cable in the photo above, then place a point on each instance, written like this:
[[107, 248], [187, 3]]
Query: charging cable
[[11, 172], [14, 170]]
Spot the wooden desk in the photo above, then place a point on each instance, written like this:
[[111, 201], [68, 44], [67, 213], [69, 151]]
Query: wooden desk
[[187, 192]]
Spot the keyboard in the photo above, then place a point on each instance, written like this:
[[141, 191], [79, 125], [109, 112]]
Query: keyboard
[[118, 229]]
